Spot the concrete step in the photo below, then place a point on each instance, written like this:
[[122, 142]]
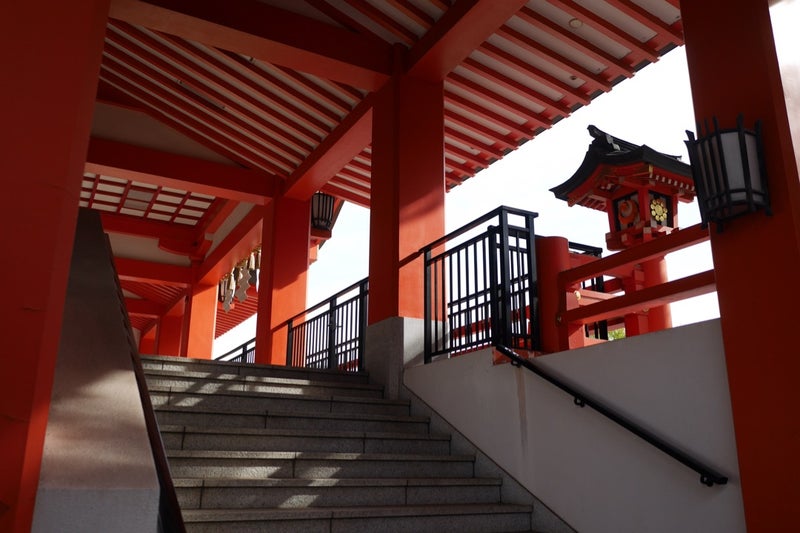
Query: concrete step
[[211, 438], [212, 383], [480, 518], [274, 419], [304, 493], [182, 364], [312, 465], [261, 401]]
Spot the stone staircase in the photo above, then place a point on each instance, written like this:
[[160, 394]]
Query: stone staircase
[[258, 448]]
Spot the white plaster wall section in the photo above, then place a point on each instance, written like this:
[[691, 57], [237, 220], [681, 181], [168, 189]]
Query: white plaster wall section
[[594, 474]]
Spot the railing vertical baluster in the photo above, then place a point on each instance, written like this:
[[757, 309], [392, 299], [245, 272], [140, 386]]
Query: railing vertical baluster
[[533, 284], [362, 322], [332, 325], [504, 296], [427, 316], [289, 342]]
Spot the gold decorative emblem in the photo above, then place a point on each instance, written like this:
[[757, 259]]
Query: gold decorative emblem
[[658, 209]]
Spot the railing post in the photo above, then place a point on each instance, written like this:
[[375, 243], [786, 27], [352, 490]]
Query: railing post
[[289, 342], [363, 302], [426, 282], [332, 362], [505, 280], [494, 286], [533, 284]]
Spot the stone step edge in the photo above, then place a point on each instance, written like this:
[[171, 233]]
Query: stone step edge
[[317, 456], [283, 396], [333, 483], [248, 366], [296, 414], [224, 377], [310, 433], [316, 513]]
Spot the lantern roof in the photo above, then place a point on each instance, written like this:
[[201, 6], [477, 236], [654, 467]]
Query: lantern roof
[[614, 167]]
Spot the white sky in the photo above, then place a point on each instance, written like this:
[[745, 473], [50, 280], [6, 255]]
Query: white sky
[[652, 108]]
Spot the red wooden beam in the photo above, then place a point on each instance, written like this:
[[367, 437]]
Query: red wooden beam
[[460, 30], [673, 291], [154, 229], [339, 148], [150, 272], [146, 165], [237, 245], [677, 240], [139, 306], [259, 30]]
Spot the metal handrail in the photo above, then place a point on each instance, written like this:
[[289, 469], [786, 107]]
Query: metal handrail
[[708, 476], [169, 510]]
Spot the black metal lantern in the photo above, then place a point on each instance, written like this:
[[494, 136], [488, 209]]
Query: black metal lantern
[[322, 211], [729, 173]]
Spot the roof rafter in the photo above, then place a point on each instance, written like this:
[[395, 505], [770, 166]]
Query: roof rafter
[[461, 29], [258, 30]]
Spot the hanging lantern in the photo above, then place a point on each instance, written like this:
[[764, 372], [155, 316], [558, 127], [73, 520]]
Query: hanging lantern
[[729, 173], [322, 211]]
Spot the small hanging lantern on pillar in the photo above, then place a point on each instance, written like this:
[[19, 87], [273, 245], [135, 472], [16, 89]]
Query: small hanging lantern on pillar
[[322, 211], [729, 173]]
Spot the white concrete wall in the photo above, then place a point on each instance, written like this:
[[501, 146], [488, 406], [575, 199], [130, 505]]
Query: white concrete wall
[[595, 475], [97, 468]]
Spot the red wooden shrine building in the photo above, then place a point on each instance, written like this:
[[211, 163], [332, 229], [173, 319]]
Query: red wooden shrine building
[[201, 131]]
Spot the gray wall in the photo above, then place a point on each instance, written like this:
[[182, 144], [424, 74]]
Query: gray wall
[[595, 475], [97, 469]]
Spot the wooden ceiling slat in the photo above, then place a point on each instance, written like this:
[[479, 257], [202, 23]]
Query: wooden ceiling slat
[[179, 84], [227, 95], [512, 61], [386, 22], [606, 28], [211, 119], [186, 124], [541, 23], [529, 45]]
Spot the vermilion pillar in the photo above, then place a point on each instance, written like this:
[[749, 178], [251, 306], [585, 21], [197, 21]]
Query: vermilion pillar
[[170, 332], [50, 52], [407, 209], [733, 69], [147, 343], [200, 319], [284, 268]]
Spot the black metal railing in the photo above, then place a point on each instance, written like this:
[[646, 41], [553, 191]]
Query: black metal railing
[[480, 285], [708, 476], [244, 353], [330, 335]]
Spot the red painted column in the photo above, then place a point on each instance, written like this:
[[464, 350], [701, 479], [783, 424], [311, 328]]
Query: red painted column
[[552, 258], [655, 273], [284, 273], [733, 69], [407, 210], [50, 52], [147, 343], [199, 322]]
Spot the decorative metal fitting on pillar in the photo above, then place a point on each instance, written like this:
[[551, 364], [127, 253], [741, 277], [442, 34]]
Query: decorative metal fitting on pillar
[[322, 211], [729, 172]]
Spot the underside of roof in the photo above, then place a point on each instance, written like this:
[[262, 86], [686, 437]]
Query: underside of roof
[[206, 108]]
